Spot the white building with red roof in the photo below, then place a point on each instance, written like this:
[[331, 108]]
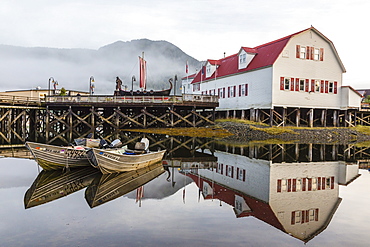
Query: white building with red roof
[[294, 80]]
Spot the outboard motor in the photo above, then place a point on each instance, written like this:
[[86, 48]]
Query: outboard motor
[[103, 143], [116, 144], [146, 143]]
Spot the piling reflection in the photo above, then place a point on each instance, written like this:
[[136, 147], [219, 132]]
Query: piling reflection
[[52, 185], [299, 198]]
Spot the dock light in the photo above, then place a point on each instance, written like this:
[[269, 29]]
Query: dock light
[[51, 79], [132, 84], [55, 84], [92, 85]]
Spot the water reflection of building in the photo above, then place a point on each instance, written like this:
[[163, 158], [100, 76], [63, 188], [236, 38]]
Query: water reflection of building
[[297, 198]]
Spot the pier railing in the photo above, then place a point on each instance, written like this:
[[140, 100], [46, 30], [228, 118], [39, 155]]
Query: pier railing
[[131, 99], [19, 100], [365, 106]]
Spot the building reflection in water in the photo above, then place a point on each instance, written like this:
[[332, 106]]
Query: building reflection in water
[[294, 188], [299, 198]]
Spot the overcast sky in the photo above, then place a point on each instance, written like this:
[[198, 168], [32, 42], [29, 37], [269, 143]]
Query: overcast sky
[[204, 29]]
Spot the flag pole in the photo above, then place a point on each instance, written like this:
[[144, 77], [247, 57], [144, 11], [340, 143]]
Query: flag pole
[[187, 75]]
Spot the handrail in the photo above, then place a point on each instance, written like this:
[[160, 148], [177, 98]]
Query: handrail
[[14, 99], [25, 100], [131, 99], [365, 106]]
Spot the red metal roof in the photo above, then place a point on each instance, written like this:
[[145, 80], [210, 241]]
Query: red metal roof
[[266, 55], [259, 209], [249, 50], [188, 77]]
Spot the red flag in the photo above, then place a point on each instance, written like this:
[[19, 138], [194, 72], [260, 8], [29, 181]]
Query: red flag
[[139, 193], [187, 67], [142, 73]]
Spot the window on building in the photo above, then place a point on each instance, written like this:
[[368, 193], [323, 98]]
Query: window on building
[[286, 83], [316, 54], [303, 52], [331, 87], [208, 69], [242, 90], [238, 206], [220, 168], [242, 58], [304, 216], [232, 91], [240, 174], [301, 85], [317, 85], [230, 171]]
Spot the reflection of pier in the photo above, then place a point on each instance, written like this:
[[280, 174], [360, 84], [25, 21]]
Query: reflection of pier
[[191, 149], [186, 149], [299, 152]]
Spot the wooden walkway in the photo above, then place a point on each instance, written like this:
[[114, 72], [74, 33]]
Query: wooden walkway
[[64, 118]]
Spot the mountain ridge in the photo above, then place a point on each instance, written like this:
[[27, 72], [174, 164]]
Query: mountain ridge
[[29, 67]]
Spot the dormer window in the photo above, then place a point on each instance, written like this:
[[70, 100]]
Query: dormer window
[[246, 55], [242, 58], [208, 69]]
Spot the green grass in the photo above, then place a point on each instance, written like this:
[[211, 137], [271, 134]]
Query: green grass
[[212, 132], [363, 129], [363, 144], [236, 120], [274, 130]]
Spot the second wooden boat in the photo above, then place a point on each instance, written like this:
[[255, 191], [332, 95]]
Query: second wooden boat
[[120, 160], [107, 187]]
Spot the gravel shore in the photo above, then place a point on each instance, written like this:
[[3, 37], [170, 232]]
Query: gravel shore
[[244, 133]]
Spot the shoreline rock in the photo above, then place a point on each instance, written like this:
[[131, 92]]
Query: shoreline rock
[[341, 135]]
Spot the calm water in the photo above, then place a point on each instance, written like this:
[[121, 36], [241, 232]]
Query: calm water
[[234, 201]]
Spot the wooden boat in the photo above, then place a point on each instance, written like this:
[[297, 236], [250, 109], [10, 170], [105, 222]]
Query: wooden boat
[[52, 185], [165, 92], [51, 157], [107, 187], [123, 160], [143, 91], [111, 161]]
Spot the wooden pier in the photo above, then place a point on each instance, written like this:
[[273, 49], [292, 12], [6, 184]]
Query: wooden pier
[[64, 118], [302, 117]]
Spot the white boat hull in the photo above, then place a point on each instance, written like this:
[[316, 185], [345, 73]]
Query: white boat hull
[[51, 157], [109, 162]]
